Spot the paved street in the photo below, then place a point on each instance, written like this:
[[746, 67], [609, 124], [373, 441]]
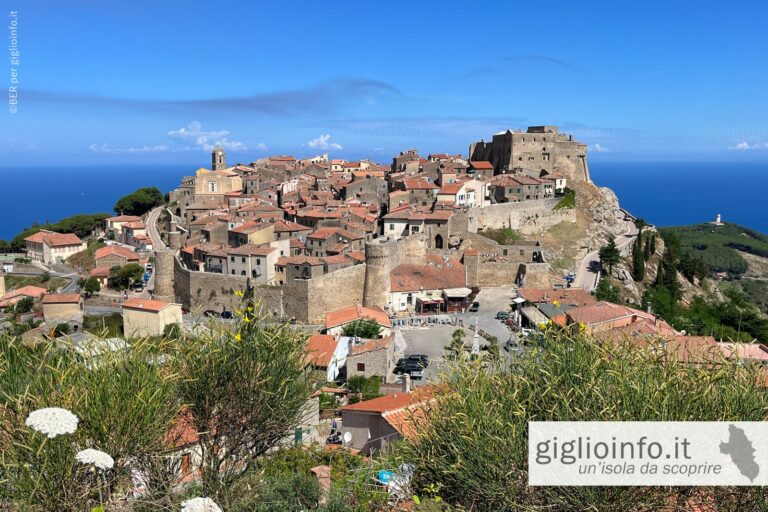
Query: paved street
[[587, 274], [491, 301]]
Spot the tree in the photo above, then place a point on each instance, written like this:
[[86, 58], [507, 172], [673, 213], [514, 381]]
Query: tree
[[367, 387], [245, 393], [139, 202], [640, 224], [123, 277], [607, 292], [638, 260], [91, 286], [609, 255], [24, 305], [456, 348], [362, 328]]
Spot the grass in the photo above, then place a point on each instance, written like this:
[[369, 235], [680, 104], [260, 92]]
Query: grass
[[503, 236], [86, 259], [52, 283], [109, 326], [568, 200]]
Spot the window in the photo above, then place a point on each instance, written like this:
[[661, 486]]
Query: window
[[233, 271], [211, 186], [361, 367], [258, 261], [242, 260], [522, 252], [242, 272], [231, 258]]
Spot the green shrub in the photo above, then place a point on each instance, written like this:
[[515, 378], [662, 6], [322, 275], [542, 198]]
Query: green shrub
[[473, 449]]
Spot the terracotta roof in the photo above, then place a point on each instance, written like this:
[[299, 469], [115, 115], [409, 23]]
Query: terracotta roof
[[115, 250], [415, 183], [357, 255], [146, 304], [16, 295], [604, 312], [297, 244], [61, 298], [124, 218], [572, 296], [394, 402], [299, 260], [53, 239], [436, 274], [253, 250], [352, 313], [320, 349], [408, 213], [481, 164], [336, 259], [101, 272], [450, 188], [283, 226], [323, 233], [134, 225], [371, 346], [250, 227]]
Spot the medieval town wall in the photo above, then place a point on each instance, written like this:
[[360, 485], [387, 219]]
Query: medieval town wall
[[527, 217]]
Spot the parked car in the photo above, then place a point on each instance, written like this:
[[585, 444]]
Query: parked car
[[413, 367], [503, 315], [475, 307], [227, 315]]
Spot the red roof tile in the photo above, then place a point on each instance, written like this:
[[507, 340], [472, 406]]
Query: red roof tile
[[53, 239], [352, 313], [320, 349], [61, 298], [146, 304]]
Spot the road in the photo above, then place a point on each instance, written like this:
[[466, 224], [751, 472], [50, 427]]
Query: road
[[157, 243], [588, 272]]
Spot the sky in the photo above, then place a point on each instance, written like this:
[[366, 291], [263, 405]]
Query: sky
[[108, 82]]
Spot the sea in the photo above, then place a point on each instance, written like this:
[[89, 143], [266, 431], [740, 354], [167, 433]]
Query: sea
[[663, 193]]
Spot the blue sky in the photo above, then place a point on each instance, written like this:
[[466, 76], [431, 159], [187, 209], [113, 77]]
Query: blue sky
[[151, 82]]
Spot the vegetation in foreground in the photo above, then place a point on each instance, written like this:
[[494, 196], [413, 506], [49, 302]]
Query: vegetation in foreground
[[472, 452]]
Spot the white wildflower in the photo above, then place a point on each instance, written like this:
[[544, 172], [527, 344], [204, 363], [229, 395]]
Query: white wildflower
[[52, 421], [96, 458], [199, 505]]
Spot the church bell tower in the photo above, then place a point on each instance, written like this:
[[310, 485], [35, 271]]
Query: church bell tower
[[218, 159]]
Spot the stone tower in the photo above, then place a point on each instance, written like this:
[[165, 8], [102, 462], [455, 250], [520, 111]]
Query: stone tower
[[164, 276], [378, 264], [218, 159]]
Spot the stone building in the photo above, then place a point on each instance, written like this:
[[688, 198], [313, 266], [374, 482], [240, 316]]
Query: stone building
[[372, 358], [144, 317], [114, 256], [50, 247], [62, 307], [541, 149]]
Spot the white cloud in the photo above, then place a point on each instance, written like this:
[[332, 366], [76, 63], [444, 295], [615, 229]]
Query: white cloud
[[746, 146], [106, 148], [597, 148], [189, 138], [193, 134], [322, 142]]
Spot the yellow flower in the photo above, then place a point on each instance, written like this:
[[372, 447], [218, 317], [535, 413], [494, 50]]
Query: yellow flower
[[246, 319], [237, 337], [238, 293], [556, 303], [249, 309]]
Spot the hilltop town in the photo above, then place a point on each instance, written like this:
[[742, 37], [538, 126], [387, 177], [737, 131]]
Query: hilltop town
[[387, 273]]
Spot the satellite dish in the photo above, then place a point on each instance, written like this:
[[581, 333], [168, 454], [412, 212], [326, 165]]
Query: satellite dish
[[347, 437]]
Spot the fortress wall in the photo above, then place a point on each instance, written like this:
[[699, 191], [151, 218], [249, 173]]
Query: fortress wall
[[571, 162], [336, 290], [206, 291], [527, 217], [536, 275]]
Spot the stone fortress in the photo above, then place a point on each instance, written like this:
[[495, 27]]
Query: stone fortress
[[540, 151]]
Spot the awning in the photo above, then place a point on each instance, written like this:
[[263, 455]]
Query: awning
[[518, 300], [534, 316], [457, 292]]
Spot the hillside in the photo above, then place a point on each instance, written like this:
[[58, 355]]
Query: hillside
[[721, 247]]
